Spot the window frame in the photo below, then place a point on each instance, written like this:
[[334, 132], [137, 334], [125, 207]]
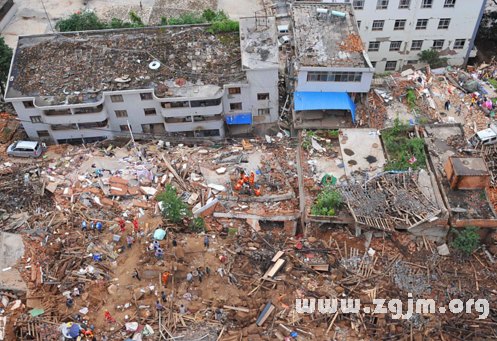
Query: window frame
[[358, 4], [28, 104], [44, 135], [116, 98], [125, 128], [418, 27], [382, 4], [236, 106], [393, 47], [358, 23], [36, 119], [382, 22], [450, 3], [121, 113], [372, 49], [445, 25], [435, 41], [404, 4], [234, 91], [390, 69], [265, 111], [400, 28], [144, 96], [263, 96], [416, 48], [457, 47], [150, 109], [334, 76], [426, 3]]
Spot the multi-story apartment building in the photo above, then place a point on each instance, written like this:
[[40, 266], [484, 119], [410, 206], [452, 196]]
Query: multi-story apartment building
[[395, 31], [166, 81], [331, 68]]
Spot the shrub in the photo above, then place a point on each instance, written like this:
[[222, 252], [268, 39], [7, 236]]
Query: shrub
[[225, 26], [466, 241], [135, 19], [85, 21], [328, 201], [198, 224], [173, 208]]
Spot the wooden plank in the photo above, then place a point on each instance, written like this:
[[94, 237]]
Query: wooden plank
[[245, 310], [277, 256]]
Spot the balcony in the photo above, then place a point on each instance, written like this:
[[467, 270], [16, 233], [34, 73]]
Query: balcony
[[64, 112], [81, 115], [206, 123], [194, 108], [89, 110], [80, 126]]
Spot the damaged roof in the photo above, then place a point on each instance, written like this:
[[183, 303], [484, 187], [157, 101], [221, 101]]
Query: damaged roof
[[469, 165], [83, 64], [259, 44], [328, 38]]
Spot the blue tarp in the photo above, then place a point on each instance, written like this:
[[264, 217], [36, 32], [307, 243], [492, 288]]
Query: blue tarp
[[324, 101], [239, 119]]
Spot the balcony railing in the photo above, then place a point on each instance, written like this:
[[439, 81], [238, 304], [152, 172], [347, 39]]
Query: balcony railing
[[89, 110], [57, 112]]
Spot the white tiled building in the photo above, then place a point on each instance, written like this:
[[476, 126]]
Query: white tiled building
[[176, 81], [395, 31]]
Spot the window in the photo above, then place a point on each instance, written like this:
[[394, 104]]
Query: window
[[426, 3], [358, 4], [378, 25], [399, 25], [422, 24], [373, 63], [395, 45], [146, 96], [150, 112], [36, 119], [412, 62], [124, 127], [263, 112], [459, 43], [403, 4], [233, 91], [28, 104], [390, 66], [262, 97], [443, 23], [382, 4], [358, 24], [43, 133], [323, 76], [235, 106], [121, 113], [116, 98], [449, 3], [416, 45], [438, 44], [374, 46]]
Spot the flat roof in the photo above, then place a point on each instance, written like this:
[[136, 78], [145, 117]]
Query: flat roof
[[324, 39], [469, 166], [76, 67], [259, 43]]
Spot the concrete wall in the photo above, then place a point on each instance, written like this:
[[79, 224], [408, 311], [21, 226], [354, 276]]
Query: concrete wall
[[350, 87], [464, 17], [466, 181], [263, 81]]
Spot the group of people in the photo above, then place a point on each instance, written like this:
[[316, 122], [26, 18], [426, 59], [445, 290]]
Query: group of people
[[94, 225]]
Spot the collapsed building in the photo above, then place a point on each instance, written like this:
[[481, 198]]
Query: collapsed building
[[171, 81]]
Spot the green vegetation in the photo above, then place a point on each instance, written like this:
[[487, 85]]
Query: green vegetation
[[432, 57], [198, 224], [232, 232], [493, 82], [5, 59], [307, 138], [88, 20], [381, 75], [423, 120], [411, 98], [174, 209], [466, 241], [327, 203], [401, 148]]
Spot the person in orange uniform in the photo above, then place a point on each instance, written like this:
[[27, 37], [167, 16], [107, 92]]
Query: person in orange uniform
[[122, 225], [165, 276], [257, 190], [108, 318], [135, 225], [252, 178]]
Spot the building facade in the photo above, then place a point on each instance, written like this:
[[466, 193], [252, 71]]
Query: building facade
[[173, 81], [395, 31]]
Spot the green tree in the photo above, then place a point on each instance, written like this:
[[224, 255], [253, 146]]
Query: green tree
[[173, 208], [466, 241], [85, 21], [136, 20], [5, 60], [432, 57]]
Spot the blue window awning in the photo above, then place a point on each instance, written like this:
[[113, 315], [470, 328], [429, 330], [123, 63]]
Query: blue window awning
[[324, 101], [239, 119]]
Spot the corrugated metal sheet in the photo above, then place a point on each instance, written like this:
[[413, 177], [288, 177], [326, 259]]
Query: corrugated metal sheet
[[324, 101], [239, 119]]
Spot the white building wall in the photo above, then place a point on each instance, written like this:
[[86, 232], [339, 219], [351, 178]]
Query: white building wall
[[350, 87], [263, 81], [465, 16]]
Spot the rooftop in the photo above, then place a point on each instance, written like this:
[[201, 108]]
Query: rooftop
[[469, 166], [326, 39], [259, 44], [77, 67]]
